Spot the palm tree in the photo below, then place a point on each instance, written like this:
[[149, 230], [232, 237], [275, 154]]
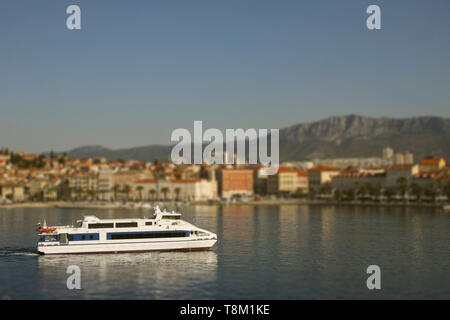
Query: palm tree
[[116, 189], [389, 193], [78, 191], [325, 189], [375, 191], [68, 193], [350, 194], [312, 193], [431, 191], [165, 190], [152, 193], [298, 193], [139, 190], [177, 193], [402, 187], [102, 194], [338, 195], [126, 189], [447, 191], [417, 191], [49, 192], [364, 190], [92, 193], [355, 190]]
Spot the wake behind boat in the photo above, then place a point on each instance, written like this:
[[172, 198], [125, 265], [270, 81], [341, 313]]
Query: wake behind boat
[[164, 232]]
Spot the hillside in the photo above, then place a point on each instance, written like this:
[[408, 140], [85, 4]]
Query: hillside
[[339, 136]]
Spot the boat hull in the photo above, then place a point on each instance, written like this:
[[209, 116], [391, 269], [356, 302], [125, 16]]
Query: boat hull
[[105, 248]]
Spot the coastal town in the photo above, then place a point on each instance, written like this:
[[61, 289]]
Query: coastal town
[[31, 178]]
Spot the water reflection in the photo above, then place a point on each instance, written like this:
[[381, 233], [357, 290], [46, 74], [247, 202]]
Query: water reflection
[[328, 229], [168, 275], [263, 252]]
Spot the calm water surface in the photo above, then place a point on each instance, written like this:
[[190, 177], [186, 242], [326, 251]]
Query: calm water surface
[[265, 252]]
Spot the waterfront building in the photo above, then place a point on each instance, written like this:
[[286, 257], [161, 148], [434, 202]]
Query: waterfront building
[[428, 179], [388, 153], [194, 189], [37, 187], [302, 181], [235, 181], [432, 163], [53, 190], [147, 189], [124, 182], [175, 189], [409, 158], [5, 156], [321, 175], [260, 179], [399, 159], [397, 171], [284, 182], [354, 179], [11, 191], [83, 185], [106, 184]]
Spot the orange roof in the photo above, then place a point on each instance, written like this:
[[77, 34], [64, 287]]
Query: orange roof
[[431, 160], [302, 174], [285, 169], [401, 166], [185, 180], [322, 168]]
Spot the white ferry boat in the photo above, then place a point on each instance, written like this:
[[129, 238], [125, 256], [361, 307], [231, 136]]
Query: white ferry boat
[[164, 232]]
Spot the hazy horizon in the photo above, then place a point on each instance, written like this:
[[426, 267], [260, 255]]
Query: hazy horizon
[[138, 70]]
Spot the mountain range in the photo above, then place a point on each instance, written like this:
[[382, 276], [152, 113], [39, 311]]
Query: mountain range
[[333, 137]]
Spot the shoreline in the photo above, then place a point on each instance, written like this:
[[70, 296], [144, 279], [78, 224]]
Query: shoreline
[[137, 206]]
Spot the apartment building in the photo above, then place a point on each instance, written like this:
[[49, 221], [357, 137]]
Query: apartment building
[[432, 163], [320, 175], [235, 181], [285, 181], [175, 189], [397, 171]]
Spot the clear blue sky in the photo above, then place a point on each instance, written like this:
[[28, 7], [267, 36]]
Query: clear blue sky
[[139, 69]]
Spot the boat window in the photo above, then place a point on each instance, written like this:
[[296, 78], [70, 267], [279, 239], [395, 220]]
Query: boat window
[[83, 237], [171, 217], [50, 238], [126, 224], [149, 223], [147, 235], [100, 225]]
